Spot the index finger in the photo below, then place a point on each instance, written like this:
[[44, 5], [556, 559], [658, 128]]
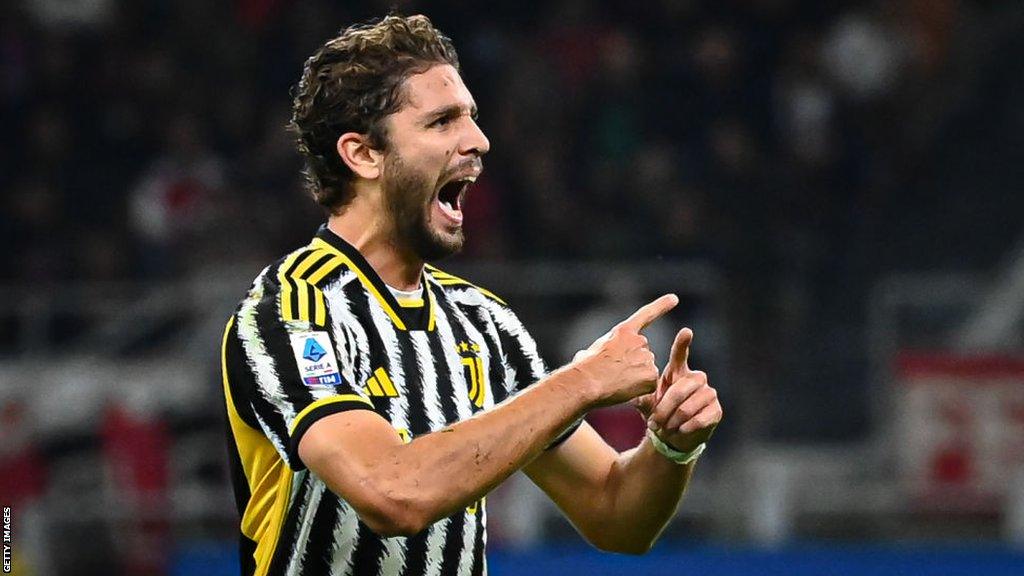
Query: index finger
[[650, 312]]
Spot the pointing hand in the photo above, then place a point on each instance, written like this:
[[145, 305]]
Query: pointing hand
[[683, 410], [620, 364]]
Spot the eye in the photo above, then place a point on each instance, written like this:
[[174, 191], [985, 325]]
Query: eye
[[441, 122]]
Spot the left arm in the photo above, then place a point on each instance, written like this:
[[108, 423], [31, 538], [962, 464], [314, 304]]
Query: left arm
[[618, 502], [622, 502]]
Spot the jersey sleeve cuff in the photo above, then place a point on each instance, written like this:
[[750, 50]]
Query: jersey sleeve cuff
[[315, 411], [565, 434]]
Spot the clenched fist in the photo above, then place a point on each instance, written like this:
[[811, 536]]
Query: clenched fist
[[620, 365], [683, 410]]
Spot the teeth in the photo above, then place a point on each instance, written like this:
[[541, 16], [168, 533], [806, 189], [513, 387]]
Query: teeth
[[452, 205]]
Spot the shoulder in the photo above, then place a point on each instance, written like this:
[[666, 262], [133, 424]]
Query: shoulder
[[293, 285], [463, 291], [486, 305], [315, 264]]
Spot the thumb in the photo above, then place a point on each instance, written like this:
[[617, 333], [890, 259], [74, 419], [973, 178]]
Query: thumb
[[680, 354], [644, 403]]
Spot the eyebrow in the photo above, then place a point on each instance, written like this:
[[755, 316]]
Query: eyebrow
[[449, 110]]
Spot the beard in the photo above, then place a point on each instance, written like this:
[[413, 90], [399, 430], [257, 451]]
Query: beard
[[409, 199]]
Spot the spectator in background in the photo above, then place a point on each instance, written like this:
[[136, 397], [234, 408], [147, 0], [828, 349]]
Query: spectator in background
[[24, 477], [864, 55], [793, 137], [175, 201], [33, 237]]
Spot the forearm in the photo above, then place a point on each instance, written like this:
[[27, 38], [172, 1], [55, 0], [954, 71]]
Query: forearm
[[642, 493], [458, 465], [647, 486], [439, 473], [400, 489], [618, 502]]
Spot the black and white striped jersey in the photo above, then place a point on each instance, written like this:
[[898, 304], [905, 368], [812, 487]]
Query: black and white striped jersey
[[318, 333]]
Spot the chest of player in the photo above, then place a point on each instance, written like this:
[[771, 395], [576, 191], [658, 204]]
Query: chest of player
[[424, 380]]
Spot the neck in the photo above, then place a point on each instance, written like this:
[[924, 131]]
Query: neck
[[364, 229]]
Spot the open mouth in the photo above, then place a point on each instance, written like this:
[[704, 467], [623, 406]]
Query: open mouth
[[451, 195]]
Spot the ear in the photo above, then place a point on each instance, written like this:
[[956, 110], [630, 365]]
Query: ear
[[359, 156]]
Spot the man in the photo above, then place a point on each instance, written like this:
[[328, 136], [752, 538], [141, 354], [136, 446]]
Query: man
[[374, 401]]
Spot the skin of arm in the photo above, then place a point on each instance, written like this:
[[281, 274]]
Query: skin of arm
[[622, 502], [400, 489], [617, 502]]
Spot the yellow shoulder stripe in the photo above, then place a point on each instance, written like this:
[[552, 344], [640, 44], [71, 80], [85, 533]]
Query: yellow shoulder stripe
[[445, 279], [319, 243], [301, 298], [286, 286]]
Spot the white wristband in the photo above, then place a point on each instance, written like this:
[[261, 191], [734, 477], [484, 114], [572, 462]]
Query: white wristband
[[673, 454]]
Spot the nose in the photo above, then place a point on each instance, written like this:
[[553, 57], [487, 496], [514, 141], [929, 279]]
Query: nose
[[474, 142]]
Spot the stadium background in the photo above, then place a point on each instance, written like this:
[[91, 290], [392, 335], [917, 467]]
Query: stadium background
[[833, 188]]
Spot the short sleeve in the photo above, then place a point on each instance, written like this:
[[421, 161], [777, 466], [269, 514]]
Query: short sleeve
[[297, 372]]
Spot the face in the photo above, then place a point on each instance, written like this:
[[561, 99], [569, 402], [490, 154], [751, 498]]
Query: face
[[432, 159]]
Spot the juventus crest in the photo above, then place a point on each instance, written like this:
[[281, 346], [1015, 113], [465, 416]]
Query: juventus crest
[[473, 368]]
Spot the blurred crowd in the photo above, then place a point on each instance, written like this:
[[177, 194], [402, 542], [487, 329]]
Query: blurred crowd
[[801, 147]]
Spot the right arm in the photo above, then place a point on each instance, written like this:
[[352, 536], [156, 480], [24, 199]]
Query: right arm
[[400, 489]]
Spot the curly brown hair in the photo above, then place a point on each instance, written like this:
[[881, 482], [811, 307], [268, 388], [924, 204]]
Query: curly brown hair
[[351, 84]]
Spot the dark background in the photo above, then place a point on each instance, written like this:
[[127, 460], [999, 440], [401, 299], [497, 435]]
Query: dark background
[[789, 157]]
